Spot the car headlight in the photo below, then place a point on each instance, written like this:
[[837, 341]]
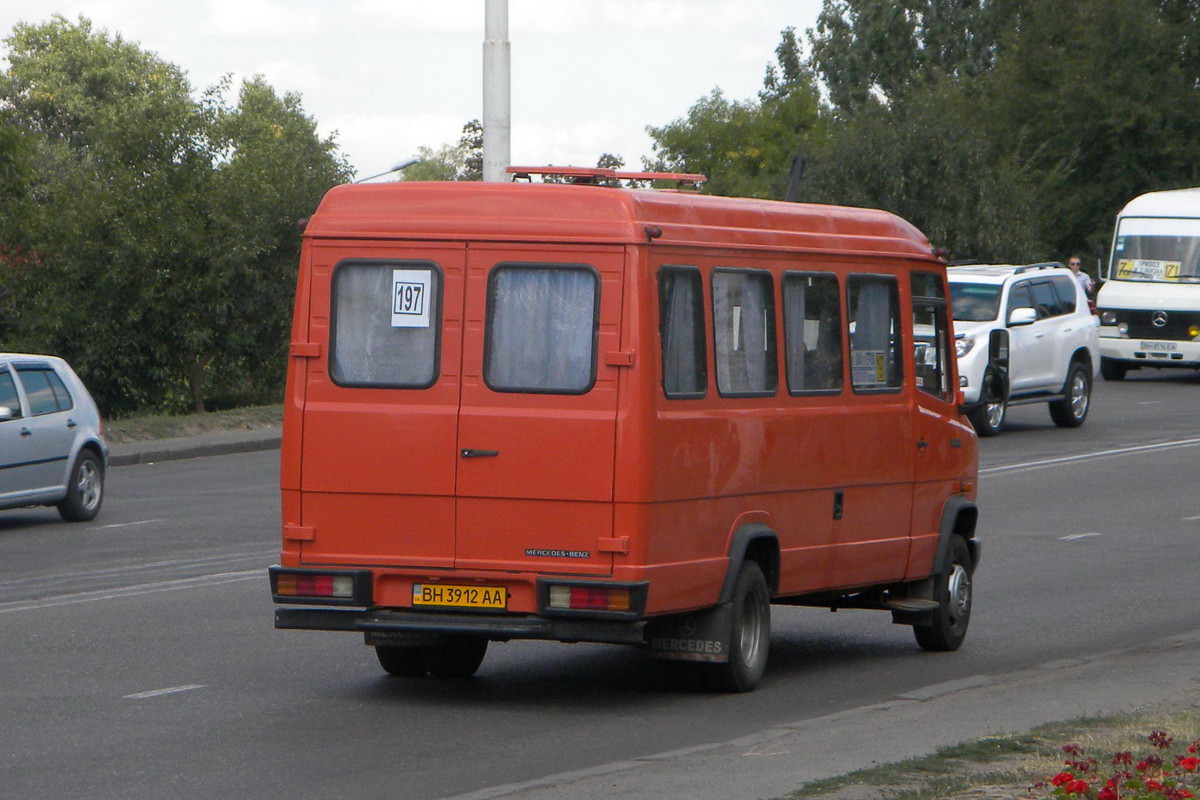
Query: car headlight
[[963, 344]]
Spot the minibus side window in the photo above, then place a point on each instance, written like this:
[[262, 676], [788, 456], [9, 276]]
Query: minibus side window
[[812, 325], [681, 330], [543, 320], [744, 332], [386, 324], [873, 317], [930, 334]]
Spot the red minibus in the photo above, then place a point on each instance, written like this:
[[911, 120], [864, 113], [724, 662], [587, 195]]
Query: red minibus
[[571, 410]]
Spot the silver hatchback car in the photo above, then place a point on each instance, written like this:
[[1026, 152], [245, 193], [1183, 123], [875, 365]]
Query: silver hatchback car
[[52, 448]]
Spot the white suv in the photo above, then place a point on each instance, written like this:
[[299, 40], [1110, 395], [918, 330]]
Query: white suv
[[1053, 348]]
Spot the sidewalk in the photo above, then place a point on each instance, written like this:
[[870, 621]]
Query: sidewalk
[[205, 444]]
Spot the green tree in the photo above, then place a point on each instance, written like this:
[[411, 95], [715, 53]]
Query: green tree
[[163, 233], [462, 161], [746, 147], [1036, 117], [878, 50]]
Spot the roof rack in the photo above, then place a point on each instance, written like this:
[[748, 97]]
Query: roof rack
[[602, 176], [1016, 270], [1039, 265]]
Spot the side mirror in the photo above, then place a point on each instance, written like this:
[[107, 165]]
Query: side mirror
[[6, 413], [1022, 316]]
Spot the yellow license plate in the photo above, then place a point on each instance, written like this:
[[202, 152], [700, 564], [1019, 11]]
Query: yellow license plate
[[443, 594]]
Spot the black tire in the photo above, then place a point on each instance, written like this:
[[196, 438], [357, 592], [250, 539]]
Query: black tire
[[85, 489], [1072, 410], [457, 657], [988, 419], [1112, 370], [405, 662], [953, 589], [750, 637]]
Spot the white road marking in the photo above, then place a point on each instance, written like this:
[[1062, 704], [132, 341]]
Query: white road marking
[[1075, 536], [161, 692], [1121, 451], [1191, 519], [126, 524], [133, 591]]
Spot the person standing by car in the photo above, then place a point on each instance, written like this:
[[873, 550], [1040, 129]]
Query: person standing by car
[[1082, 277]]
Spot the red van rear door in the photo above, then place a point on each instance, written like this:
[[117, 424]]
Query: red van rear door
[[537, 422], [381, 404]]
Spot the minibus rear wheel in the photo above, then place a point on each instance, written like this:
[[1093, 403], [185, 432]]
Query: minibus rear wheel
[[456, 657], [405, 662], [750, 636], [953, 590]]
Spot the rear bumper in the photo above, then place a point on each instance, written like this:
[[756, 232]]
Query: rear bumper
[[384, 626]]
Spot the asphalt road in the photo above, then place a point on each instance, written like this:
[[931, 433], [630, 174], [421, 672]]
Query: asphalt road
[[138, 658]]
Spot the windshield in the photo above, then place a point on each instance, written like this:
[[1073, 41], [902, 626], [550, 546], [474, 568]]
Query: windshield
[[975, 302], [1157, 250]]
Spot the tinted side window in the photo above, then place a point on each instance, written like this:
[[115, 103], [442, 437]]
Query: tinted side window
[[744, 332], [386, 324], [1045, 299], [873, 320], [812, 325], [681, 329], [1019, 297], [44, 390], [541, 330], [1065, 288], [8, 392]]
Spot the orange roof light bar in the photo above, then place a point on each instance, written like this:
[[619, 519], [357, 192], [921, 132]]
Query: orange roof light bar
[[603, 176]]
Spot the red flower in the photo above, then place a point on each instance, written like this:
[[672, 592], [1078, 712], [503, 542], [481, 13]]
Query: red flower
[[1062, 778], [1107, 793], [1077, 787], [1189, 763], [1153, 785]]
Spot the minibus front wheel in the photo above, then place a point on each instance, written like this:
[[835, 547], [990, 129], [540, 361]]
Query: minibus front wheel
[[750, 636], [954, 592]]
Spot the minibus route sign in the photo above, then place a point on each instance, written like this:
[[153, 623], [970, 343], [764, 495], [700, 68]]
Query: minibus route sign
[[410, 298]]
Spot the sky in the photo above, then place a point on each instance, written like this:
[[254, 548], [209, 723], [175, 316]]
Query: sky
[[390, 76]]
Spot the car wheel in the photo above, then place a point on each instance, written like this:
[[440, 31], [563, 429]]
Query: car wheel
[[457, 657], [405, 662], [85, 489], [988, 419], [750, 637], [953, 589], [1112, 370], [1072, 410]]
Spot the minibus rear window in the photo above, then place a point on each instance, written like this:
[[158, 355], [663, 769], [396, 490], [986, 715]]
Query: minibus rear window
[[873, 303], [541, 329], [386, 322], [812, 324], [681, 328], [744, 333]]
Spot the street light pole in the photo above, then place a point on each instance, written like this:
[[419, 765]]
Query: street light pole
[[497, 104]]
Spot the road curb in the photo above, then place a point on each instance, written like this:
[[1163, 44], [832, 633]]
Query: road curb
[[175, 450]]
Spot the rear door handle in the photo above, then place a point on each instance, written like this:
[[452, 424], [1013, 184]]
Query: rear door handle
[[468, 452], [26, 432]]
